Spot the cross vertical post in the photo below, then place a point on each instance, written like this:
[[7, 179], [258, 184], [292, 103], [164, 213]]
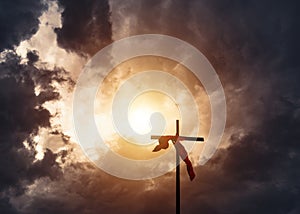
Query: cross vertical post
[[164, 144], [177, 173]]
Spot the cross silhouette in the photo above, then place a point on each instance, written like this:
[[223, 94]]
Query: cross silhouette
[[180, 152]]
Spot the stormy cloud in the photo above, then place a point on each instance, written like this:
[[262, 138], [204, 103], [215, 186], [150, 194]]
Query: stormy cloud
[[18, 21], [86, 26], [21, 116]]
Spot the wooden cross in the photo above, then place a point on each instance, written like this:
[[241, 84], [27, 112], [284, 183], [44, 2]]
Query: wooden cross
[[175, 138]]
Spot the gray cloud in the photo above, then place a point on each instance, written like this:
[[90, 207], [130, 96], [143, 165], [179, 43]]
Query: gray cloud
[[86, 27], [18, 21], [22, 114]]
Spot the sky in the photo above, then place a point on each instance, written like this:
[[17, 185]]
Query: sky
[[253, 47]]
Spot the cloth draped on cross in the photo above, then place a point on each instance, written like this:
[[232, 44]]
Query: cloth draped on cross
[[164, 144]]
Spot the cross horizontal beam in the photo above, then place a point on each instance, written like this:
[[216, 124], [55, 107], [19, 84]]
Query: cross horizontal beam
[[180, 138]]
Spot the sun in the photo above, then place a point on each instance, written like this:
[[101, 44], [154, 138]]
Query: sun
[[152, 110], [139, 118]]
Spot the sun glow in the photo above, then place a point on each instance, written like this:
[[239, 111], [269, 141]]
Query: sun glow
[[150, 112], [152, 109], [139, 119]]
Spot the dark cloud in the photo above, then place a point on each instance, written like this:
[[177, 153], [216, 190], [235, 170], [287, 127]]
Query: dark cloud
[[6, 207], [32, 57], [18, 21], [86, 26], [86, 189], [21, 115], [258, 172], [243, 40]]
